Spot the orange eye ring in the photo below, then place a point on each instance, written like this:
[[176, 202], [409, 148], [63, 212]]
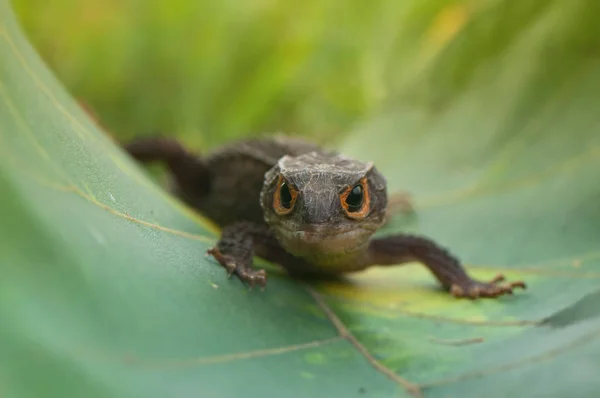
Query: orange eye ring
[[284, 197], [356, 210]]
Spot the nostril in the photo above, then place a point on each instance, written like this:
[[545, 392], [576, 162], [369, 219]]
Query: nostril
[[314, 228], [317, 218]]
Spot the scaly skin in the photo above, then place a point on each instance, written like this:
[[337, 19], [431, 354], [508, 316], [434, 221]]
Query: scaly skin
[[312, 211]]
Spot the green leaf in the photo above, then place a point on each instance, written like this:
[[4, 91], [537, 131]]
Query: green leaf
[[105, 290]]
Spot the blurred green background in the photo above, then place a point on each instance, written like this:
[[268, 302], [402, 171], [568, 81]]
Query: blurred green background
[[485, 110], [211, 71]]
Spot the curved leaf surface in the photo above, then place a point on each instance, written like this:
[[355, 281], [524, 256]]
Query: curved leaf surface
[[106, 291]]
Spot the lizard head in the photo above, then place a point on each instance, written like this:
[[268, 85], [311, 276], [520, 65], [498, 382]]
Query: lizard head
[[323, 203]]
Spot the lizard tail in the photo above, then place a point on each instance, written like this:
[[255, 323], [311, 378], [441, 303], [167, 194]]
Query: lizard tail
[[156, 149], [190, 171]]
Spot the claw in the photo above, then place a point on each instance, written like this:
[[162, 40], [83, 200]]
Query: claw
[[491, 289], [230, 268], [249, 276], [216, 253], [497, 278], [475, 292], [457, 291], [520, 284], [253, 278]]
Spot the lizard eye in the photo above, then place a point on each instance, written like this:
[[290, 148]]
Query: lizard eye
[[284, 197], [355, 200]]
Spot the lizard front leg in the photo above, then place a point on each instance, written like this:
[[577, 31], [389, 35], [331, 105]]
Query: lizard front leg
[[238, 245], [401, 248]]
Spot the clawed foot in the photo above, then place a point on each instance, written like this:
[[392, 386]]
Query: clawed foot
[[475, 289], [250, 276]]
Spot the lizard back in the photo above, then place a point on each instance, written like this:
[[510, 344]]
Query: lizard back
[[237, 174]]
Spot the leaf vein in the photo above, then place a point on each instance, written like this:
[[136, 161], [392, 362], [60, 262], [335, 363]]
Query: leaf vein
[[548, 355], [79, 128], [128, 217], [200, 361], [412, 388]]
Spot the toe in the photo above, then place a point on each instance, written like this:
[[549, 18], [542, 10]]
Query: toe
[[457, 291]]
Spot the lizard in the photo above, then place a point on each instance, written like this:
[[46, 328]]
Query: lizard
[[311, 210]]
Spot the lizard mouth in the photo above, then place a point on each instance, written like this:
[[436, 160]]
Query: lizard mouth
[[324, 238]]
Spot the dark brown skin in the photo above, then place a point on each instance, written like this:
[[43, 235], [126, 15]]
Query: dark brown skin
[[311, 211]]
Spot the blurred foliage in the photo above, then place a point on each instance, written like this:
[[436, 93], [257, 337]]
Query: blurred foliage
[[485, 110], [210, 71]]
